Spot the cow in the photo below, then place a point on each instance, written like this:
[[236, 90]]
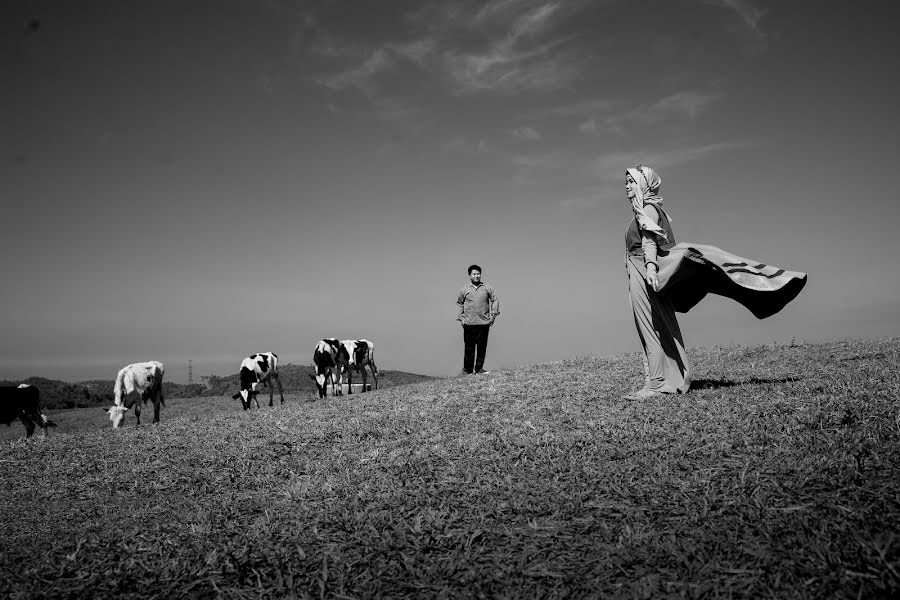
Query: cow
[[258, 369], [359, 353], [23, 403], [146, 378], [330, 359]]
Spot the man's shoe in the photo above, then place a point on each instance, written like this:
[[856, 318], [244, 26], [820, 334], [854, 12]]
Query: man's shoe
[[480, 371]]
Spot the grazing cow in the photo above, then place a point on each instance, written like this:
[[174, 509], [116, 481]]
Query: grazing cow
[[330, 358], [146, 378], [23, 403], [359, 354], [258, 369]]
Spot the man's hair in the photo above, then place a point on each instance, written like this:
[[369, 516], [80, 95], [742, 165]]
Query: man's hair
[[474, 268]]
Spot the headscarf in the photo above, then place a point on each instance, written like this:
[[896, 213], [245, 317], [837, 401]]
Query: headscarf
[[647, 192]]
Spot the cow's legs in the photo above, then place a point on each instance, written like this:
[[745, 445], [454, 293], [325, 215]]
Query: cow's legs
[[339, 382], [29, 426], [374, 373], [271, 389], [137, 412], [157, 400], [280, 389], [349, 380], [364, 377]]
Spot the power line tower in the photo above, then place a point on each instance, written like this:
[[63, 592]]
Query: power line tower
[[190, 373]]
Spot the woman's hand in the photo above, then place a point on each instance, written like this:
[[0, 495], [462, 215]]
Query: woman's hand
[[652, 278]]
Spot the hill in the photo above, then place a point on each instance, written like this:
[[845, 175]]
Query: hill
[[778, 476], [57, 394], [295, 379]]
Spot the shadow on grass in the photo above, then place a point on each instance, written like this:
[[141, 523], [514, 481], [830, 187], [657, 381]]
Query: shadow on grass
[[712, 384]]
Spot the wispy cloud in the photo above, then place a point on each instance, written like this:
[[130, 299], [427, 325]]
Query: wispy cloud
[[518, 49], [680, 106], [505, 68], [506, 46], [585, 181], [360, 77], [611, 166], [749, 16], [602, 115], [525, 133], [576, 109], [465, 145], [416, 51]]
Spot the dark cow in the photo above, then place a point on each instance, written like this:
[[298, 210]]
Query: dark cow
[[330, 359], [359, 354], [145, 378], [258, 369], [23, 403]]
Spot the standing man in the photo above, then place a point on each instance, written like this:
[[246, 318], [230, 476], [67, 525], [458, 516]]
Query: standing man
[[478, 308]]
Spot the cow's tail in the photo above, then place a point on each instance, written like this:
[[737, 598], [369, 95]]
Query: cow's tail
[[47, 422]]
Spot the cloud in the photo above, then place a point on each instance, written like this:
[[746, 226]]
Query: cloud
[[670, 109], [589, 126], [389, 108], [503, 68], [611, 166], [749, 16], [686, 103], [525, 133], [515, 48], [360, 77], [576, 109], [503, 47], [416, 51], [465, 145], [601, 115]]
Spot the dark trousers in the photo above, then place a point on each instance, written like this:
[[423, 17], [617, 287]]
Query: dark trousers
[[475, 338]]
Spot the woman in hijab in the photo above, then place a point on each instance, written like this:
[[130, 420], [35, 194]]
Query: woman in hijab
[[664, 277], [666, 367]]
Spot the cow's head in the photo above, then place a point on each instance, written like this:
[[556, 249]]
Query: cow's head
[[246, 396], [116, 414], [321, 380]]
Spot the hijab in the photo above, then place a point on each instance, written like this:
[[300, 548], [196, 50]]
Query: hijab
[[647, 192]]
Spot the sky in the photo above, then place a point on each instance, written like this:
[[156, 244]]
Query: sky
[[199, 180]]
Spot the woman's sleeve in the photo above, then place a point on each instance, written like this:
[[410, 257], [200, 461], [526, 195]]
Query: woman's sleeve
[[648, 238]]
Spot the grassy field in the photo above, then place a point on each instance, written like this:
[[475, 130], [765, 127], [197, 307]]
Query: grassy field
[[778, 476]]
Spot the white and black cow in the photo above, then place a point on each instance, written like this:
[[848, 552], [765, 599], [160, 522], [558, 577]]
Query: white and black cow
[[144, 377], [330, 359], [359, 353], [23, 403], [258, 369]]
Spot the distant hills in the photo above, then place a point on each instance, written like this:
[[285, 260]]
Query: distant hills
[[295, 379]]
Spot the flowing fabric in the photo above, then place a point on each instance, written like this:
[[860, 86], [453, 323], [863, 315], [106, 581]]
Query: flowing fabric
[[688, 272]]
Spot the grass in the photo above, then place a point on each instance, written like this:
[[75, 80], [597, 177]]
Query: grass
[[778, 476]]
